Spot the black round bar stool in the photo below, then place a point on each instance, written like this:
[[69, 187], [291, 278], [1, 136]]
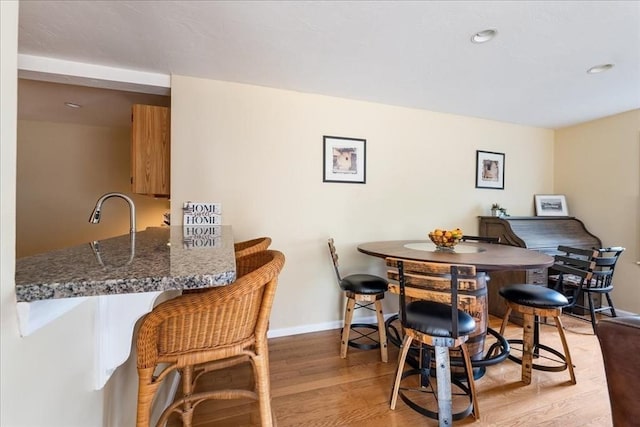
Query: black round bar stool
[[436, 325], [533, 302], [362, 291]]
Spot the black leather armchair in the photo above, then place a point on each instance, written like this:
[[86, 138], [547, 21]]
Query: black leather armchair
[[620, 343]]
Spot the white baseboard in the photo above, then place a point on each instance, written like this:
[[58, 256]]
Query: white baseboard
[[317, 327], [622, 313]]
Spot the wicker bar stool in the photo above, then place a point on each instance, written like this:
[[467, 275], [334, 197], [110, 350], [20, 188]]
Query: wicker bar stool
[[201, 332], [241, 249], [249, 247]]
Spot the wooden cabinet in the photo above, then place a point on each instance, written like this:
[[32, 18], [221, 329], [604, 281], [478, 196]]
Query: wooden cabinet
[[151, 150], [542, 234]]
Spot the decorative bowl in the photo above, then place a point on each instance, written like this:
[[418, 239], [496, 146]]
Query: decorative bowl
[[445, 239]]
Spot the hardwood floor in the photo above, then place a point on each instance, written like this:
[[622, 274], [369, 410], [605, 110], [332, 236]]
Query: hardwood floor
[[312, 386]]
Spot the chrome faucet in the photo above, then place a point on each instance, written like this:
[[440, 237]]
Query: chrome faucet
[[95, 215]]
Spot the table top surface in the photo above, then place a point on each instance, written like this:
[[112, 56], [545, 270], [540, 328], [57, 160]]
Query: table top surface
[[484, 256]]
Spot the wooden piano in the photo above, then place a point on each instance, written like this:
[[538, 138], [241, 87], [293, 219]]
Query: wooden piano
[[538, 233]]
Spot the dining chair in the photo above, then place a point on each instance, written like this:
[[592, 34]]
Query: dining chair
[[430, 315], [537, 301], [362, 291], [480, 239], [202, 332], [248, 247], [601, 283]]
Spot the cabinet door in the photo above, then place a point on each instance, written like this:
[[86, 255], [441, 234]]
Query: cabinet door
[[151, 150]]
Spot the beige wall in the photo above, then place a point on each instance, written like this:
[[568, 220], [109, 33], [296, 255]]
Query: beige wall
[[597, 167], [62, 170], [258, 151]]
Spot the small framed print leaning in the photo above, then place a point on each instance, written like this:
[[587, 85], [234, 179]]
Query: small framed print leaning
[[344, 160], [551, 205], [489, 170]]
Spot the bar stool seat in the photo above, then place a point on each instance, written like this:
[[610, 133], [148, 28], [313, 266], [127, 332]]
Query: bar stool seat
[[534, 296], [364, 284]]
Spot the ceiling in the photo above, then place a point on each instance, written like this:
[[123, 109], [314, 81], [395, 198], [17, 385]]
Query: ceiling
[[405, 53], [45, 101]]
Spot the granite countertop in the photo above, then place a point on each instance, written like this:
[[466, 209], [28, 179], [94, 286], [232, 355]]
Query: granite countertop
[[157, 259]]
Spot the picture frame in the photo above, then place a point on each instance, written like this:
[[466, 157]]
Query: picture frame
[[344, 159], [551, 205], [490, 170]]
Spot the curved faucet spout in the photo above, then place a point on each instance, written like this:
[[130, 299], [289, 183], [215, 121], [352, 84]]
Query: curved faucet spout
[[95, 215]]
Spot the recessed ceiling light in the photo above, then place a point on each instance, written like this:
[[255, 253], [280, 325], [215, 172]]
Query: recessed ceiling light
[[484, 36], [599, 68], [72, 105]]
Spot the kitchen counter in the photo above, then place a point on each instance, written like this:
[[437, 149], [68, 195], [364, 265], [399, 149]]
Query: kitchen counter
[[123, 278], [157, 259]]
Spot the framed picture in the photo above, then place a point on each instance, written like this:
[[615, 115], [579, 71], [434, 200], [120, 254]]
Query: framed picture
[[344, 159], [551, 205], [489, 170]]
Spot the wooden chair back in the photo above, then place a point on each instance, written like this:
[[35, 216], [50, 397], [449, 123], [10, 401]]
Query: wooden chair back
[[605, 265], [431, 282], [481, 239], [576, 262], [334, 258]]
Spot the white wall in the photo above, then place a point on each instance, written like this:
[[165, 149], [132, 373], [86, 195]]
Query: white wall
[[258, 151], [598, 169]]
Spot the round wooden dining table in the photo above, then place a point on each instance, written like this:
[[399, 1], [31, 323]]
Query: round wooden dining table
[[486, 257]]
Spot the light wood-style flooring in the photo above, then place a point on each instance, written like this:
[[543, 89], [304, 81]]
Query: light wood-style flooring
[[312, 386]]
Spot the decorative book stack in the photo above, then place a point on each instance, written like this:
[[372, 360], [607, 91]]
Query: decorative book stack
[[201, 222]]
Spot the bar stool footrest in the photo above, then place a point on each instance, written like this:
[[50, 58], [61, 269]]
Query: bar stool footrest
[[428, 412], [562, 361], [354, 342]]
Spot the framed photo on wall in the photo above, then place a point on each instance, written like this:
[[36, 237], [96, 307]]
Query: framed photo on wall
[[344, 160], [489, 170], [551, 205]]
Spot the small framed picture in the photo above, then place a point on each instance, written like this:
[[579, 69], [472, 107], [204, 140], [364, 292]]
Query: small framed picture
[[344, 159], [551, 205], [489, 170]]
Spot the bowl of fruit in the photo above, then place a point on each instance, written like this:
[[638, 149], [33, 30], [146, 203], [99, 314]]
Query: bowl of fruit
[[445, 239]]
